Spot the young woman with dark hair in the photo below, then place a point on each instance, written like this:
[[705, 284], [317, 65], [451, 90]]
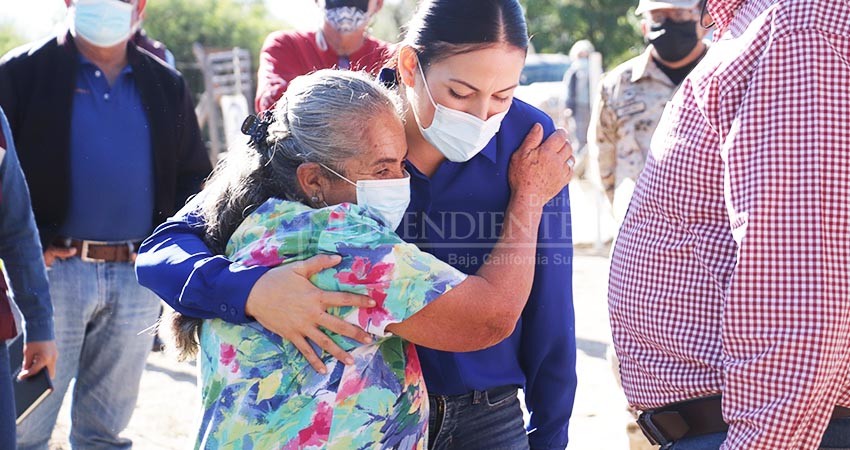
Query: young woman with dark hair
[[456, 71]]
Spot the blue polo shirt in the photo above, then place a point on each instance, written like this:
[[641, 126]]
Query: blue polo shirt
[[112, 195], [457, 215]]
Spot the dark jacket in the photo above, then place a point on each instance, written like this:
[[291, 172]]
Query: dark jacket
[[20, 251], [37, 84]]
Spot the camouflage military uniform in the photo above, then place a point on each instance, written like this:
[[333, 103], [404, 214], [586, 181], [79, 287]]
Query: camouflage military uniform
[[631, 100]]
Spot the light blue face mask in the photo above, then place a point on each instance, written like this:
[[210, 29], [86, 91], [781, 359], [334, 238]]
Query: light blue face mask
[[103, 23]]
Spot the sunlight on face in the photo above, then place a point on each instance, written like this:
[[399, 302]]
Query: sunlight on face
[[480, 83], [382, 157]]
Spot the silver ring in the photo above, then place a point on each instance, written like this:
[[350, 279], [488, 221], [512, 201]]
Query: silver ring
[[571, 162]]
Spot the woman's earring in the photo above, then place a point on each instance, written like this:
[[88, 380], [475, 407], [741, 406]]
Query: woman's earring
[[314, 200]]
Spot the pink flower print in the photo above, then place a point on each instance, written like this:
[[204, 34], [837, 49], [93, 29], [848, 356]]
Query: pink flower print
[[413, 379], [412, 370], [337, 215], [363, 272], [227, 357], [227, 354], [351, 385], [264, 255], [376, 314], [320, 428], [375, 277]]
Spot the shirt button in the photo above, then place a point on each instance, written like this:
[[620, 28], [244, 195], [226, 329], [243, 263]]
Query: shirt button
[[233, 311], [223, 307], [106, 96], [97, 73]]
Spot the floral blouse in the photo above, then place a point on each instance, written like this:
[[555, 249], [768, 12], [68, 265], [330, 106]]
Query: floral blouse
[[260, 393]]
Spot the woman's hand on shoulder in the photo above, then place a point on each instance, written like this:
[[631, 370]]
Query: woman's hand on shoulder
[[540, 170], [285, 302]]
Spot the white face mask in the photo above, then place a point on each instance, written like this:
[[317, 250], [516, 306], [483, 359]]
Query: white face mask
[[457, 135], [104, 23], [387, 199]]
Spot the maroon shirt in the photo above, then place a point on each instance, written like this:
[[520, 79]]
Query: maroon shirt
[[288, 54], [7, 320]]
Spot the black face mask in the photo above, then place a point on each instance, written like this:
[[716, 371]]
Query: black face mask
[[674, 40], [362, 5]]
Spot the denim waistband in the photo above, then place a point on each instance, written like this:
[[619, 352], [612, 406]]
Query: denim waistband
[[475, 397]]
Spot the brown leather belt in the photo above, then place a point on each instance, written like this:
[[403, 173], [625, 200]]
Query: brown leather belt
[[666, 425], [94, 251]]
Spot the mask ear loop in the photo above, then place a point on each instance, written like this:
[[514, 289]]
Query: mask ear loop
[[702, 15], [337, 174], [425, 82]]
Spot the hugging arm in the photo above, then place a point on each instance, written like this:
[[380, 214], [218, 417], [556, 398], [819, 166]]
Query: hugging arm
[[484, 309], [177, 265]]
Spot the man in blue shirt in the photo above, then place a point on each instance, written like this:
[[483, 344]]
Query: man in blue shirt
[[110, 145], [20, 252]]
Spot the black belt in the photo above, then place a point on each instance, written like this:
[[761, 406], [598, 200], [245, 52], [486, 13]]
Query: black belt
[[94, 251], [666, 425]]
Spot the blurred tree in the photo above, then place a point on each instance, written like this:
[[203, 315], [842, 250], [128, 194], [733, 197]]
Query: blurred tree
[[389, 23], [214, 24], [555, 25], [9, 38]]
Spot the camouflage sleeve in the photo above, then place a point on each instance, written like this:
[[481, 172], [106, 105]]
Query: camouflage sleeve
[[602, 139]]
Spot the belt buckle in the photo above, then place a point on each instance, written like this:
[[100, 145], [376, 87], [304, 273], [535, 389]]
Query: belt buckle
[[85, 251], [652, 433], [131, 251]]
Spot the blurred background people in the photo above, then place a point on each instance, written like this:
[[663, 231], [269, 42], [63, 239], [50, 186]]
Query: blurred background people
[[341, 41], [578, 90], [629, 106], [22, 262], [110, 146], [633, 95]]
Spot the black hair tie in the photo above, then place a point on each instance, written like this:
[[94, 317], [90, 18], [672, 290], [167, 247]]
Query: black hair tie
[[257, 127], [388, 77]]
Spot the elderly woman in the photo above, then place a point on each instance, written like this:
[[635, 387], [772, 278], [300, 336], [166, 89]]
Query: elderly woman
[[324, 174]]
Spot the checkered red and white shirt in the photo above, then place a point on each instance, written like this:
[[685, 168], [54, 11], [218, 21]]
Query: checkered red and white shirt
[[731, 273]]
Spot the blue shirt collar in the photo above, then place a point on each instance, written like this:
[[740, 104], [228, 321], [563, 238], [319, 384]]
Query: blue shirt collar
[[87, 62], [491, 149]]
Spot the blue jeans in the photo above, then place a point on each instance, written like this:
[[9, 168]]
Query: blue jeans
[[490, 420], [100, 312], [836, 437], [7, 403]]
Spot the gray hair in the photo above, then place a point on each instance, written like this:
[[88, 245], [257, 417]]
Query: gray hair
[[321, 119]]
